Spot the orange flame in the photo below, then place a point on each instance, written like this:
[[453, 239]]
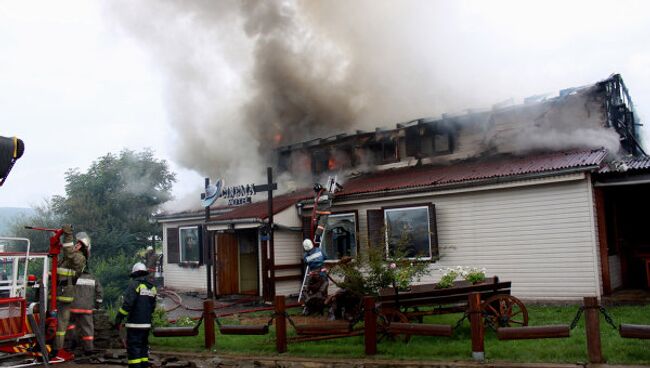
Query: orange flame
[[277, 138]]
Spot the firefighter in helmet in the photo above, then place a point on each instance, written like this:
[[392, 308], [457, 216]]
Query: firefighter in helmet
[[315, 290], [71, 264], [138, 308], [323, 205], [87, 297]]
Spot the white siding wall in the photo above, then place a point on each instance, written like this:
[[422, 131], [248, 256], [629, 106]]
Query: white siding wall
[[181, 278], [541, 237], [616, 277], [288, 250]]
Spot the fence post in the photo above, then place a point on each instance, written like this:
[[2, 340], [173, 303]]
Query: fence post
[[476, 322], [208, 323], [370, 325], [280, 324], [592, 327]]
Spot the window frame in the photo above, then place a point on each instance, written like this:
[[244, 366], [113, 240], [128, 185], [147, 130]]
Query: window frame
[[426, 206], [354, 213], [181, 246]]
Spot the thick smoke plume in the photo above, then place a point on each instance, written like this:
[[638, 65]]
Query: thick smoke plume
[[245, 76]]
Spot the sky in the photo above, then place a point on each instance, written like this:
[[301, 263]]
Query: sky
[[80, 79]]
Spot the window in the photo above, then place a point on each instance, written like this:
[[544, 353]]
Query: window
[[408, 229], [188, 238], [340, 238], [442, 143]]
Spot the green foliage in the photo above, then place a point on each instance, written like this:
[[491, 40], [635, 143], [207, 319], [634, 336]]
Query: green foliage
[[371, 271], [159, 317], [475, 275], [113, 273], [185, 321], [447, 280], [114, 200]]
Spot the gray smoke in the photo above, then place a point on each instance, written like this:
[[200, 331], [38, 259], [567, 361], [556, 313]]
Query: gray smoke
[[245, 76]]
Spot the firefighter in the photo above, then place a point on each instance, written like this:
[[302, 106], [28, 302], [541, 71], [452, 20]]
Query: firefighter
[[87, 297], [151, 260], [323, 205], [316, 288], [70, 266], [138, 308]]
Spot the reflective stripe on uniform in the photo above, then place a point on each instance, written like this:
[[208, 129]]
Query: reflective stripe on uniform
[[66, 299], [60, 333], [99, 300], [65, 271], [123, 312], [142, 289], [135, 361], [323, 212], [89, 282], [81, 311], [137, 325], [88, 338], [71, 327]]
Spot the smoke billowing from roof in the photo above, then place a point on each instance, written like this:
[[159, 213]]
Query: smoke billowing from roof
[[245, 76]]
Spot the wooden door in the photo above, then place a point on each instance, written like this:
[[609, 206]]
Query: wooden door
[[227, 264]]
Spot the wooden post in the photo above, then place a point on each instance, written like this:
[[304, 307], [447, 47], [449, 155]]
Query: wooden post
[[370, 328], [592, 327], [208, 323], [476, 322], [280, 324], [269, 176]]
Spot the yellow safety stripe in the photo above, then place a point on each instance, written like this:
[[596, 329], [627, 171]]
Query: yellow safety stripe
[[65, 271], [153, 289], [135, 361], [60, 333], [67, 299], [145, 359], [15, 147], [123, 312]]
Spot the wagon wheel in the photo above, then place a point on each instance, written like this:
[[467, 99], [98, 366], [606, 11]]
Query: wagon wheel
[[504, 311], [384, 320]]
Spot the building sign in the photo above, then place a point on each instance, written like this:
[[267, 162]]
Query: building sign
[[239, 194]]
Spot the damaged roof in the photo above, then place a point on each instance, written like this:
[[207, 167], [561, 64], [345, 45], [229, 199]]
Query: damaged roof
[[475, 172], [630, 164]]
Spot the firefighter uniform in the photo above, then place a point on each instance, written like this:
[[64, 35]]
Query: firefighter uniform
[[323, 205], [151, 260], [88, 296], [70, 266], [138, 307]]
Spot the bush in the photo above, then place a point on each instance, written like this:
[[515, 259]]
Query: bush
[[372, 271], [113, 274]]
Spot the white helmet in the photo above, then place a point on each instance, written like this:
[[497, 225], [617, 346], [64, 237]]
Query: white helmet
[[138, 267], [307, 245], [83, 238]]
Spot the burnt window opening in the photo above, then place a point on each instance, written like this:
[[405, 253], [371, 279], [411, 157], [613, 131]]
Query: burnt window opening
[[284, 160], [384, 151], [424, 141], [441, 143], [319, 161]]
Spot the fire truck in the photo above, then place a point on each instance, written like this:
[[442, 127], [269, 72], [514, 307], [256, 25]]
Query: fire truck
[[28, 308]]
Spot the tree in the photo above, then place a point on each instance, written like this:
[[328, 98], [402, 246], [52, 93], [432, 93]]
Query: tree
[[115, 199]]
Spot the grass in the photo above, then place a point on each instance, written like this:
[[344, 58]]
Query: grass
[[616, 350]]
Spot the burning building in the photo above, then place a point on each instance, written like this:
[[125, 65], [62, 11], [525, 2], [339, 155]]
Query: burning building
[[541, 193]]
